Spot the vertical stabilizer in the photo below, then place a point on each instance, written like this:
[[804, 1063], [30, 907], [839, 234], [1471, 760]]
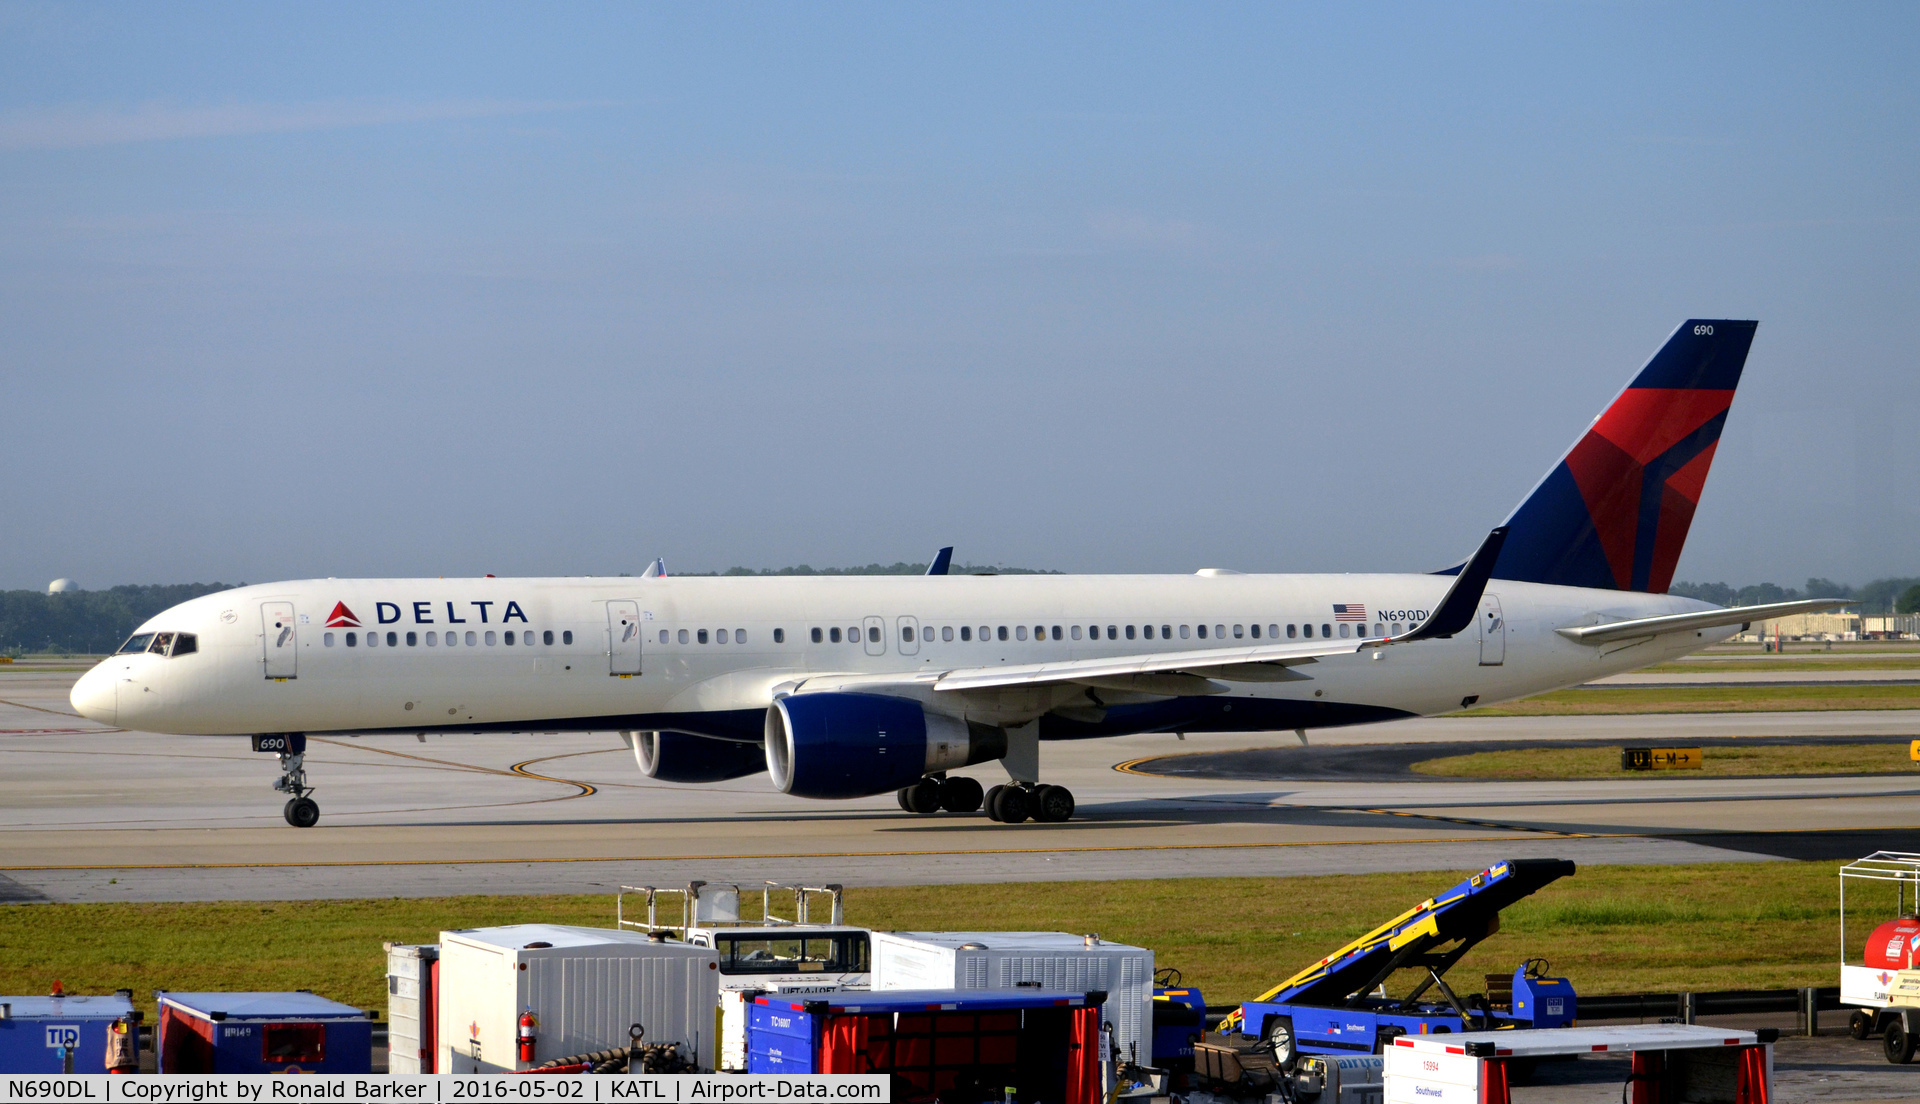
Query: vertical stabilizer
[[1613, 514]]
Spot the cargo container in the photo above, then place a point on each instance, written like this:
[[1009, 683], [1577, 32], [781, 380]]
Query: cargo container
[[1054, 961], [261, 1033], [581, 988], [411, 1016], [58, 1034], [975, 1045]]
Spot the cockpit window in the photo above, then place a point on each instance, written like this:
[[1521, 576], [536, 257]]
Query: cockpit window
[[161, 644]]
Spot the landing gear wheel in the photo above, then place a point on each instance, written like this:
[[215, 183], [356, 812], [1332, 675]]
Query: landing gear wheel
[[960, 795], [1015, 805], [992, 802], [303, 812], [1900, 1043], [1052, 804], [1279, 1036], [1859, 1025], [922, 797]]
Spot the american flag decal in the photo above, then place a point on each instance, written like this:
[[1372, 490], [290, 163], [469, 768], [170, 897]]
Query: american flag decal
[[1349, 612]]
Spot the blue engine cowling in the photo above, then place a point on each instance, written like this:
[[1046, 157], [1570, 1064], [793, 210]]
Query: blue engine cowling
[[684, 757], [857, 745]]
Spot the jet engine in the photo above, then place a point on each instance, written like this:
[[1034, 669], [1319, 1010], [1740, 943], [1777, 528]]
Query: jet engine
[[684, 757], [858, 745]]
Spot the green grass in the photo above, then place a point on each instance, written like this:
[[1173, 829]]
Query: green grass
[[1611, 929], [1702, 699], [1604, 762]]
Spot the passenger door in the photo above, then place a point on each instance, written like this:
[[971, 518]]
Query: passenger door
[[623, 638], [279, 640], [873, 632], [1493, 632], [909, 630]]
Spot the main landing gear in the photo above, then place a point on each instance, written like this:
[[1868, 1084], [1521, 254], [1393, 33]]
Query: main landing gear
[[1010, 804], [301, 810]]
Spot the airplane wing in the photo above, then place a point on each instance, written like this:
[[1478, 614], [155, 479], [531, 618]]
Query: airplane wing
[[1705, 619], [1187, 671]]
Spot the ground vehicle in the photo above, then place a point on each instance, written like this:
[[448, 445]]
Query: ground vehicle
[[1340, 1004], [1179, 1018], [1873, 985]]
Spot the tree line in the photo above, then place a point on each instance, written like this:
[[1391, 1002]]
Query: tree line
[[1877, 597]]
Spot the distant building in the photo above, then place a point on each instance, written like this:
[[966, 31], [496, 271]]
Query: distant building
[[1808, 626], [1898, 626], [62, 586]]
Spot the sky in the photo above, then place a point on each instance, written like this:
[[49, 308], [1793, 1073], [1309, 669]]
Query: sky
[[291, 291]]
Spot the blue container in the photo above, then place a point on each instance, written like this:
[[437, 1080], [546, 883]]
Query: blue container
[[261, 1033], [34, 1029], [784, 1034]]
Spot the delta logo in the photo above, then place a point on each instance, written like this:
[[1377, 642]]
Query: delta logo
[[342, 617]]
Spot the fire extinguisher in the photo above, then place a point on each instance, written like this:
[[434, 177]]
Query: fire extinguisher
[[528, 1021]]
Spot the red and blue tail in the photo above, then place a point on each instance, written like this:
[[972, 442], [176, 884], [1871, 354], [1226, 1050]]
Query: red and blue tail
[[1613, 514]]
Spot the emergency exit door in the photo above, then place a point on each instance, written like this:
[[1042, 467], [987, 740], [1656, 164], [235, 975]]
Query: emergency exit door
[[1493, 632], [279, 640], [623, 638]]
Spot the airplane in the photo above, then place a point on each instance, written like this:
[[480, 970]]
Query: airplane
[[851, 686]]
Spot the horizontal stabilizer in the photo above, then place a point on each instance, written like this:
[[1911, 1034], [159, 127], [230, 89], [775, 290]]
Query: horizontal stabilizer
[[1705, 619]]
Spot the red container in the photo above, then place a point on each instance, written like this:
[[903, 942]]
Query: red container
[[1895, 945]]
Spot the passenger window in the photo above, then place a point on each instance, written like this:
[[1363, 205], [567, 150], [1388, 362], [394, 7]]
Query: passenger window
[[701, 636], [1326, 630], [507, 637], [966, 632], [873, 634], [720, 636], [1273, 631], [489, 638], [1183, 632], [471, 640], [1256, 631], [1343, 630], [906, 634], [683, 636], [373, 640], [1129, 632], [1076, 632], [663, 636], [834, 634], [327, 639], [739, 636], [353, 640], [1113, 632], [1219, 632], [546, 636], [814, 635], [1379, 629], [1166, 632], [1003, 632], [565, 637], [431, 639], [946, 632], [779, 636], [1020, 632], [926, 633], [1147, 631], [1203, 632], [1292, 632], [413, 639], [1239, 632]]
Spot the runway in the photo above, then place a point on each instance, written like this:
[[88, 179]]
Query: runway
[[89, 814]]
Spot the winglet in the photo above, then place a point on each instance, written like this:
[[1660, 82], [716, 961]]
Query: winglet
[[941, 561], [1458, 609], [655, 570]]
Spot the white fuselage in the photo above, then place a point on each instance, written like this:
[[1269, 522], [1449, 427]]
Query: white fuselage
[[712, 653]]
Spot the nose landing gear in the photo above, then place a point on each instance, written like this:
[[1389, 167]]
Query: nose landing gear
[[301, 810]]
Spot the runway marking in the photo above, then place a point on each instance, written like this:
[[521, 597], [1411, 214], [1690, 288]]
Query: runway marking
[[55, 712], [1468, 821], [815, 854]]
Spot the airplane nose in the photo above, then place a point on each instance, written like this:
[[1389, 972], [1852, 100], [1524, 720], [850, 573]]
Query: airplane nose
[[96, 696]]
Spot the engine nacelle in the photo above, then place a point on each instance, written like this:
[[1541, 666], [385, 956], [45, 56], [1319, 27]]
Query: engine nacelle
[[684, 757], [858, 745]]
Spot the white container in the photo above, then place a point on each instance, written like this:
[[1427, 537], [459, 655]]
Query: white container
[[1055, 961], [409, 1006], [585, 986], [788, 958]]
